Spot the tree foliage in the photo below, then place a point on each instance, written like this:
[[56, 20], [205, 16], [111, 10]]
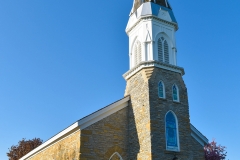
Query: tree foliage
[[214, 151], [24, 146]]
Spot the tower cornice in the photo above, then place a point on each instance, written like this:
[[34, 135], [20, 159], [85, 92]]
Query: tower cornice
[[149, 64], [151, 17]]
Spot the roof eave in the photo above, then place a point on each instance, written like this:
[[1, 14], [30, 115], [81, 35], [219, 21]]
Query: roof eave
[[198, 136], [81, 124]]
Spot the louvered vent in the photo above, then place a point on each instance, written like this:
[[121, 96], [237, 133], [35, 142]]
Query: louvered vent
[[160, 50], [163, 50], [135, 54], [166, 52], [139, 52]]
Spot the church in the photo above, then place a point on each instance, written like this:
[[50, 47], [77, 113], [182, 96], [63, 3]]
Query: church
[[151, 121]]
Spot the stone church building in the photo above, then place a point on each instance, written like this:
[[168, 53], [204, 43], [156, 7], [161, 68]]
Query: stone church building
[[151, 121]]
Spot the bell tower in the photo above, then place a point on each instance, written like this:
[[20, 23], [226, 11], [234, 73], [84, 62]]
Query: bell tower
[[151, 29], [159, 109]]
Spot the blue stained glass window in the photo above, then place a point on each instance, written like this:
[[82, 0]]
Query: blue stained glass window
[[160, 90], [175, 93], [171, 131]]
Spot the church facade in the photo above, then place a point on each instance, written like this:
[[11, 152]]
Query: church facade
[[152, 121]]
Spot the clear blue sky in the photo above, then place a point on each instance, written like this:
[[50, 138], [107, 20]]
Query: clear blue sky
[[62, 60]]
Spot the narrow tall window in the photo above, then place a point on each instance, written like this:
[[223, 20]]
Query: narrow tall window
[[171, 132], [161, 90], [163, 50], [175, 93], [137, 53]]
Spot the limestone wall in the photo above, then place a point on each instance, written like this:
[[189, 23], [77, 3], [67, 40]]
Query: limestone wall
[[197, 150], [65, 149], [107, 136], [149, 115], [136, 132], [139, 117], [159, 108]]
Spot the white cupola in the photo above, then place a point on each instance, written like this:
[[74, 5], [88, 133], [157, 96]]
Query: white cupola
[[151, 29]]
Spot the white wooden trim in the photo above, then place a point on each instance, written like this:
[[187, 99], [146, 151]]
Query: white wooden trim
[[52, 140], [197, 139], [149, 64], [117, 155], [99, 115], [198, 136], [81, 124]]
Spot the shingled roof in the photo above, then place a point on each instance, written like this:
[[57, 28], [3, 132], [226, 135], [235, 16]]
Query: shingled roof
[[138, 3]]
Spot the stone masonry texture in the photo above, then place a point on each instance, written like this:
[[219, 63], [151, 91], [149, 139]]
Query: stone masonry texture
[[136, 132], [149, 115], [197, 152], [139, 120], [102, 139], [65, 149]]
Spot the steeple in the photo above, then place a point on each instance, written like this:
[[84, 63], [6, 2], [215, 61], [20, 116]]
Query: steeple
[[159, 99], [151, 29], [138, 3]]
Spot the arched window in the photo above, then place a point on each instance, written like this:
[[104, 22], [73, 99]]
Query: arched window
[[163, 50], [172, 142], [116, 156], [137, 53], [161, 90], [175, 93]]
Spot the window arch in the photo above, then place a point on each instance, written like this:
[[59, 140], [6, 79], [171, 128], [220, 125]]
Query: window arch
[[163, 50], [116, 156], [137, 53], [172, 137], [175, 93], [161, 90]]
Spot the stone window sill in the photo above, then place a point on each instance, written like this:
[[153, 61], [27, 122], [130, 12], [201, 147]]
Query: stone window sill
[[164, 99], [172, 152], [176, 102]]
